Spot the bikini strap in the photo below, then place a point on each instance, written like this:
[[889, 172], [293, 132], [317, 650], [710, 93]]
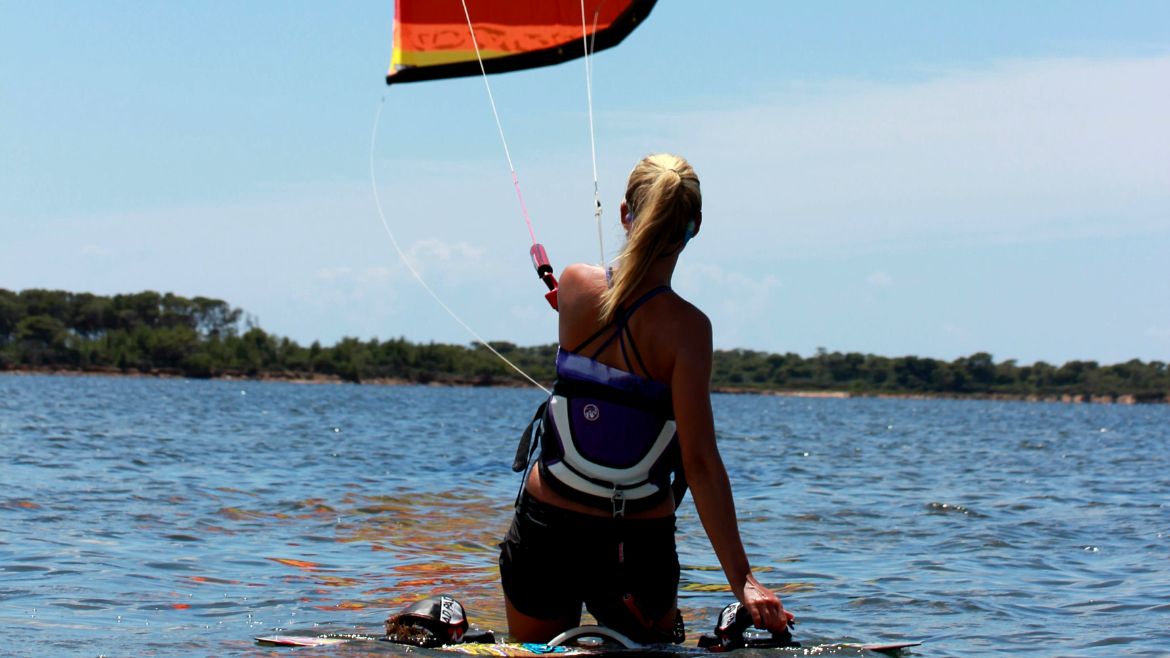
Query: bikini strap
[[621, 318], [625, 331], [597, 334], [642, 300]]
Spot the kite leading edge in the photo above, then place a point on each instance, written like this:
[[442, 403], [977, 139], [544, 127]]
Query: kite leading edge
[[432, 40]]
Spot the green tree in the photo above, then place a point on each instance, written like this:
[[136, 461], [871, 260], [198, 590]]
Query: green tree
[[43, 340], [11, 312], [50, 303], [214, 317], [92, 315], [980, 370], [170, 347]]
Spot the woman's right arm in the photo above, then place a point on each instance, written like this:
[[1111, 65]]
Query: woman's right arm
[[707, 477]]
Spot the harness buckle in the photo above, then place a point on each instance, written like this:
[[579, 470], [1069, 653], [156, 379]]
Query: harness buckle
[[618, 500]]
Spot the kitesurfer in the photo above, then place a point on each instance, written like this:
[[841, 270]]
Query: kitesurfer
[[631, 408]]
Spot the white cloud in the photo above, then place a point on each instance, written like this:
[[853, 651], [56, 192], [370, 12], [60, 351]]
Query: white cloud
[[1026, 150], [726, 293], [333, 273], [880, 279], [955, 331], [1158, 333], [342, 284], [451, 263], [355, 280], [96, 251], [424, 253], [527, 314], [724, 277]]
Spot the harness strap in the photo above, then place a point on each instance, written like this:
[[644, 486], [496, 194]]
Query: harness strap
[[678, 486], [527, 448]]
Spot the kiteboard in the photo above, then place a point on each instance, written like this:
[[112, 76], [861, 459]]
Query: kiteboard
[[502, 649], [531, 650], [440, 623]]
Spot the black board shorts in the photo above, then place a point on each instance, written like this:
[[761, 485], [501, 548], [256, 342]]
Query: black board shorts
[[625, 571]]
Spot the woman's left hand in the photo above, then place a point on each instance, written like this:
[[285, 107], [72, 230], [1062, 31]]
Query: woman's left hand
[[765, 607]]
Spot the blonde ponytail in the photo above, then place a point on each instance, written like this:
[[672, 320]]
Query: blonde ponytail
[[663, 198]]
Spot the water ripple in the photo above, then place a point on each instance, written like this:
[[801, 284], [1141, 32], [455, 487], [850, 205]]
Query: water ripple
[[178, 518]]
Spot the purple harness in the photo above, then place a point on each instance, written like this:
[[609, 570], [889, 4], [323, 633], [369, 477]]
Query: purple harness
[[607, 436]]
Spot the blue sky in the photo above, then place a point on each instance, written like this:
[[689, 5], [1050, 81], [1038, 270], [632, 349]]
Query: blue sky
[[929, 178]]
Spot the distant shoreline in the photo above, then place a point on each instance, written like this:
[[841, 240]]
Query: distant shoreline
[[167, 335], [462, 382], [1003, 397]]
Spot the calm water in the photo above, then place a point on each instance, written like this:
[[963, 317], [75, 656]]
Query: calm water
[[181, 518]]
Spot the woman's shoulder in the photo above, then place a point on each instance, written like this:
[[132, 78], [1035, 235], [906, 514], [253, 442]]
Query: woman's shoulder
[[578, 273], [581, 280], [672, 331], [692, 323], [674, 323], [580, 288], [687, 312]]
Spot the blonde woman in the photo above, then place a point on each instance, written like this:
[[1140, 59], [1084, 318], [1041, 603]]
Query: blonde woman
[[630, 413]]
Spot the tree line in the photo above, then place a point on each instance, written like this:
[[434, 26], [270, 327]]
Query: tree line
[[156, 333]]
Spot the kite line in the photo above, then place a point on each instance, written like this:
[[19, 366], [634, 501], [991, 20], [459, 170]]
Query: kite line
[[499, 126], [537, 252], [413, 271], [586, 47]]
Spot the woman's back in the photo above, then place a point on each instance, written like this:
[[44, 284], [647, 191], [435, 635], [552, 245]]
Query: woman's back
[[657, 329]]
